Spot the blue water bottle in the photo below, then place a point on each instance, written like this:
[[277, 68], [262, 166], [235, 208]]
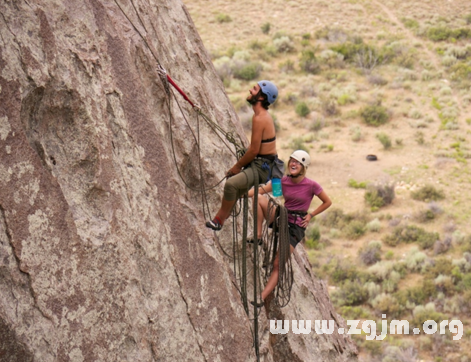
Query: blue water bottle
[[276, 187]]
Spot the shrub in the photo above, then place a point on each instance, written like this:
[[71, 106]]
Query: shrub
[[283, 44], [334, 218], [302, 109], [356, 185], [465, 283], [355, 229], [374, 225], [444, 284], [266, 28], [374, 115], [428, 214], [371, 253], [331, 58], [350, 293], [313, 234], [438, 34], [223, 18], [427, 193], [419, 137], [329, 107], [297, 143], [340, 270], [461, 71], [384, 139], [287, 66], [415, 295], [380, 194], [410, 23], [317, 124], [356, 134], [247, 71], [387, 304], [410, 234], [415, 260], [309, 62], [376, 80], [422, 314]]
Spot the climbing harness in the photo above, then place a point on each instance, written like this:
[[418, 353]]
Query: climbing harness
[[279, 239]]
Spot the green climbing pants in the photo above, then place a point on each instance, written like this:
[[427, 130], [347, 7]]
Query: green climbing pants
[[239, 184]]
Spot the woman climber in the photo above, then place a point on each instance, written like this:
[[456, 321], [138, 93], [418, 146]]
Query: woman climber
[[298, 192], [261, 153]]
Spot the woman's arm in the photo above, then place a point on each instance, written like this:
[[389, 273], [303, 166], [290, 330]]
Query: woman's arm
[[326, 203], [254, 147]]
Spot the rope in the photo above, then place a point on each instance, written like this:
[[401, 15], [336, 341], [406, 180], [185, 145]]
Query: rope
[[240, 266]]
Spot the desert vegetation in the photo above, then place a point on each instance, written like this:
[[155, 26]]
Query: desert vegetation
[[357, 78]]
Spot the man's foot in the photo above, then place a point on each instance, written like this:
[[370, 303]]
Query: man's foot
[[214, 224], [250, 240], [258, 305]]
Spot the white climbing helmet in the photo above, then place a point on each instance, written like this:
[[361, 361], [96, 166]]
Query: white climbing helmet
[[302, 157]]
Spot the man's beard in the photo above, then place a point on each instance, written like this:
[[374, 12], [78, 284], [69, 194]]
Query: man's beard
[[252, 99]]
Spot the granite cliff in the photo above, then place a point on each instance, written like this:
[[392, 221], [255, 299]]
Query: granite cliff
[[103, 251]]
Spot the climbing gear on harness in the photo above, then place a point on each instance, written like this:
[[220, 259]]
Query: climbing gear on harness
[[269, 89], [302, 157], [214, 224], [278, 169]]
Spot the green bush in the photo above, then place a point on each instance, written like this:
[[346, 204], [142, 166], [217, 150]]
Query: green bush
[[355, 229], [313, 235], [302, 109], [410, 23], [350, 293], [423, 314], [371, 253], [388, 304], [329, 107], [438, 34], [409, 234], [334, 218], [380, 194], [309, 63], [338, 270], [284, 44], [428, 193], [384, 139], [443, 33], [223, 18], [441, 266], [465, 283], [374, 115], [297, 143], [358, 312], [461, 71], [357, 185], [266, 28], [247, 71]]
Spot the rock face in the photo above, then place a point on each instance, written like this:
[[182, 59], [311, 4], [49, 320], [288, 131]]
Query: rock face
[[103, 252]]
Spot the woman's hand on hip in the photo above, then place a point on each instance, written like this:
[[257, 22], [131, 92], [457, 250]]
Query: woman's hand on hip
[[306, 220]]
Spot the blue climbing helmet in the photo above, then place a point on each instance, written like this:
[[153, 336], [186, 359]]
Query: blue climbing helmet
[[269, 89]]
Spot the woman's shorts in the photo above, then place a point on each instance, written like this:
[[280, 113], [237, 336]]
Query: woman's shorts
[[296, 234]]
